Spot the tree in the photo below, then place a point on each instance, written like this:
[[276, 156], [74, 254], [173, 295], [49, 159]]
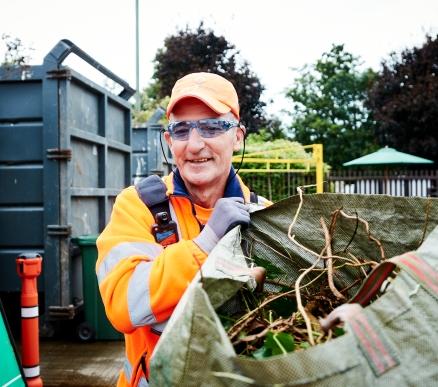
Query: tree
[[328, 106], [404, 101], [201, 50], [15, 52], [149, 105]]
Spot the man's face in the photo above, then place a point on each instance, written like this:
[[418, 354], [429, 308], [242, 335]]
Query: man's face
[[203, 162]]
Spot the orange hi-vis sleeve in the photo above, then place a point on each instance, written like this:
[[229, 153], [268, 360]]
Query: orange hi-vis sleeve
[[140, 281]]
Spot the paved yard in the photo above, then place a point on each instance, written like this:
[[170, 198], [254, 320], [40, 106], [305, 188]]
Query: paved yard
[[65, 363]]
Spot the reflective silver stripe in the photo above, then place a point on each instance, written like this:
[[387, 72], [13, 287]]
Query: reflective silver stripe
[[139, 303], [31, 372], [127, 369], [29, 312], [159, 327], [124, 250]]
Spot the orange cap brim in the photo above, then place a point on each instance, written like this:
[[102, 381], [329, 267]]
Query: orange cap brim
[[212, 103]]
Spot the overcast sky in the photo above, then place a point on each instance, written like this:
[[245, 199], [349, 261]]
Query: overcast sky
[[273, 36]]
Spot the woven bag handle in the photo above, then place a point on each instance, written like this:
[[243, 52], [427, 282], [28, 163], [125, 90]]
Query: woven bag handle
[[416, 266], [371, 339]]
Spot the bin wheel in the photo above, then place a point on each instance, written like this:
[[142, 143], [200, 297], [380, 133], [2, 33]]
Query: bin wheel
[[86, 332], [47, 329]]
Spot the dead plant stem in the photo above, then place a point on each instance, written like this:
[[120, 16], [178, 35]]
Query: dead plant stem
[[367, 229], [328, 244], [300, 304]]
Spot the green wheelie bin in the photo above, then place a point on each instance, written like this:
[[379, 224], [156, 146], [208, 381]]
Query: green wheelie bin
[[96, 325]]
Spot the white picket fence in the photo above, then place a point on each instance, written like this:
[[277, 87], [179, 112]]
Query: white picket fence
[[396, 183]]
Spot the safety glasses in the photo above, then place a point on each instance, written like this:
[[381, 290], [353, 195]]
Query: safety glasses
[[207, 128]]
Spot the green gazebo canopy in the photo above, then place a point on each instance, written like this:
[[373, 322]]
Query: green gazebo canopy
[[387, 156]]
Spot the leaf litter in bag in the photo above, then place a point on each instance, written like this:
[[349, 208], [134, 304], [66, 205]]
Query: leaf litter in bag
[[285, 316]]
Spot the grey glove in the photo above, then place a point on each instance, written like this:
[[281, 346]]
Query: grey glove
[[227, 213]]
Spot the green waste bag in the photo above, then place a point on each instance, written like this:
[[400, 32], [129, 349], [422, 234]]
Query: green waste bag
[[391, 342]]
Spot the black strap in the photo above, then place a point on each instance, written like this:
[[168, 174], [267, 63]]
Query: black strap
[[253, 197], [152, 191]]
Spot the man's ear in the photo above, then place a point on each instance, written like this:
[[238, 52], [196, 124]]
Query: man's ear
[[240, 135], [168, 139]]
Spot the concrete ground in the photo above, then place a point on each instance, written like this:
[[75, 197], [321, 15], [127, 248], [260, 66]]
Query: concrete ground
[[70, 363]]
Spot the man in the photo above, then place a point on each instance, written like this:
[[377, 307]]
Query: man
[[141, 280]]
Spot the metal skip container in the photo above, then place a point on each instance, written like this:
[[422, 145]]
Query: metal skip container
[[65, 153]]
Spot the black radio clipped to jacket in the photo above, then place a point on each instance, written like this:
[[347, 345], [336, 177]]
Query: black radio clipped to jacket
[[165, 230]]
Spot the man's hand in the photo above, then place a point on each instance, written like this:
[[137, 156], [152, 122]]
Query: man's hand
[[227, 213]]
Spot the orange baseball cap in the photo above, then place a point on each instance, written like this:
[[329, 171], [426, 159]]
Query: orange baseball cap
[[212, 89]]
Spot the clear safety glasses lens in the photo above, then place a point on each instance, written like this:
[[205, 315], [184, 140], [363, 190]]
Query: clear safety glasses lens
[[207, 128]]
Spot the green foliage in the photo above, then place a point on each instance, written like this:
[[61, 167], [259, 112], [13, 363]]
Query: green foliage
[[284, 307], [328, 106], [404, 100], [259, 142], [272, 185], [202, 50], [272, 271], [148, 107], [275, 344], [272, 130], [276, 186], [15, 52]]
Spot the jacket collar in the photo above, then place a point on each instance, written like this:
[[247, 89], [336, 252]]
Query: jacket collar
[[233, 188]]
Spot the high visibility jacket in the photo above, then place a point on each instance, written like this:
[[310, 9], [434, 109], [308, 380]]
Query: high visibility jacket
[[140, 281]]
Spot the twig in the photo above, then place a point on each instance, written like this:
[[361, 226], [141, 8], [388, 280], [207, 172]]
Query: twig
[[248, 317], [329, 260], [370, 263], [300, 192], [244, 320], [360, 265], [266, 330], [351, 285], [334, 220], [319, 339], [316, 254], [367, 229], [333, 225], [329, 335], [275, 282], [299, 303], [312, 281], [292, 238], [354, 232]]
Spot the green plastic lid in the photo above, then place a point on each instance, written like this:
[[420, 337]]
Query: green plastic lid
[[85, 240]]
